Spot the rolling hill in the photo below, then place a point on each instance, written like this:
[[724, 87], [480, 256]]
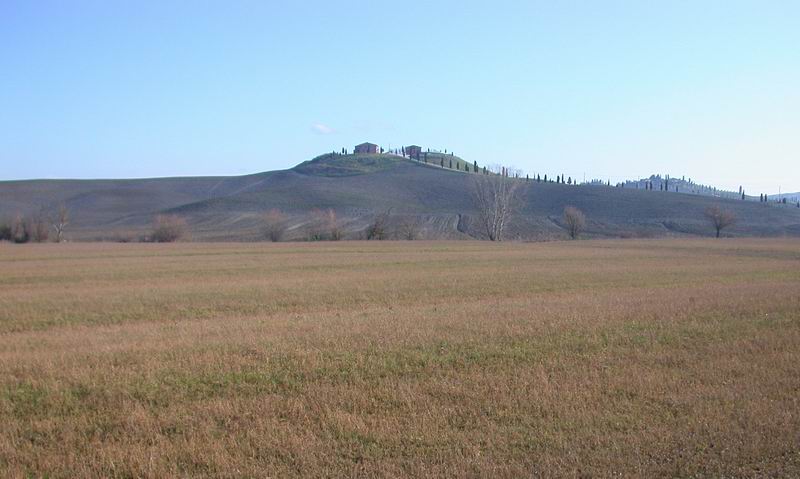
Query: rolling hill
[[436, 200]]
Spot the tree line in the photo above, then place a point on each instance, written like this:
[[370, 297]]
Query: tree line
[[498, 198], [40, 227]]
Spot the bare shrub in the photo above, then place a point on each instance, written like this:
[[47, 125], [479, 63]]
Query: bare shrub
[[274, 225], [575, 221], [496, 199], [324, 225], [5, 232], [408, 229], [27, 229], [38, 227], [719, 218], [316, 225], [333, 226], [168, 229], [20, 230], [122, 237], [377, 230]]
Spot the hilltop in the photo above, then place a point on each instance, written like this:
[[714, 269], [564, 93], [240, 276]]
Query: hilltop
[[338, 164], [436, 200]]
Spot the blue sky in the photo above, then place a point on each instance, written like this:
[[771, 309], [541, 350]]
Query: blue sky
[[99, 89]]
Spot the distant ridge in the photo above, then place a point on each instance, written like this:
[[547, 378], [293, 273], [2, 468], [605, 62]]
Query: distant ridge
[[433, 196]]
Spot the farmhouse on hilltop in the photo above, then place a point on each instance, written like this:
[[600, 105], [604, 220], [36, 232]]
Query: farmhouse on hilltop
[[366, 148], [413, 151]]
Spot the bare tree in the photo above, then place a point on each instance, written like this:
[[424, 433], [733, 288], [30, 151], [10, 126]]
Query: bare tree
[[334, 229], [60, 221], [719, 218], [408, 229], [274, 225], [514, 172], [496, 198], [324, 225], [20, 230], [377, 230], [168, 228], [38, 227], [5, 231], [575, 221]]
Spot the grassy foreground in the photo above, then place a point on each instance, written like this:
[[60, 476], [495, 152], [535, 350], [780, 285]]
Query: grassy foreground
[[633, 358]]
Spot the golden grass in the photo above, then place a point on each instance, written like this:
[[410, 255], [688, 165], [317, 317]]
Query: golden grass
[[457, 359]]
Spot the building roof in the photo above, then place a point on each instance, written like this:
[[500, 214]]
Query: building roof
[[367, 144]]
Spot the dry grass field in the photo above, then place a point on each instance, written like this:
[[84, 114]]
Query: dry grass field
[[442, 359]]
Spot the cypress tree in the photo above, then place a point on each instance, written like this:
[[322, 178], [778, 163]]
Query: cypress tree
[[475, 166]]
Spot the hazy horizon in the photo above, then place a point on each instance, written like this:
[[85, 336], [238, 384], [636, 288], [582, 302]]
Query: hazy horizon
[[615, 91]]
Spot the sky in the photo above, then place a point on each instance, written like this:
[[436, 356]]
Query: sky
[[612, 90]]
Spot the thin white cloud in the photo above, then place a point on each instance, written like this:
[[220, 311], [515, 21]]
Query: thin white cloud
[[322, 129]]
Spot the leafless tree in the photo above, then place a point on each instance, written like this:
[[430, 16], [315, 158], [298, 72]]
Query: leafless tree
[[719, 218], [20, 230], [38, 227], [168, 228], [5, 231], [324, 225], [496, 199], [408, 229], [333, 226], [514, 172], [60, 221], [495, 169], [316, 225], [575, 221], [274, 225], [377, 230]]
